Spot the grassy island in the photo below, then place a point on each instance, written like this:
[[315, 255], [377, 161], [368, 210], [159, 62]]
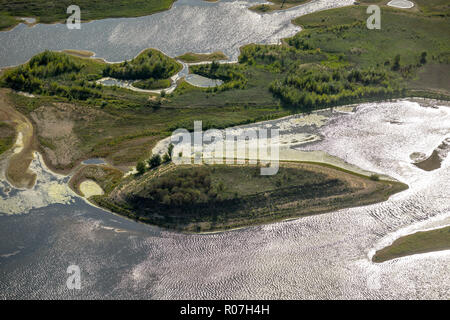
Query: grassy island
[[419, 242], [47, 11], [7, 136], [216, 197], [277, 5]]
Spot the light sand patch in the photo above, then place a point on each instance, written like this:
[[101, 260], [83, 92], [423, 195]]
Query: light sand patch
[[90, 188]]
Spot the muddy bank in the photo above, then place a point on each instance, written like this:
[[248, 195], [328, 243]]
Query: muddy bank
[[434, 161]]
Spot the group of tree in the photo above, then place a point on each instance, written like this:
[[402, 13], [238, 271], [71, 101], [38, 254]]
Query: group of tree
[[183, 187]]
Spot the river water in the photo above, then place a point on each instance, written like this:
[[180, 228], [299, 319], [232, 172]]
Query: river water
[[48, 228]]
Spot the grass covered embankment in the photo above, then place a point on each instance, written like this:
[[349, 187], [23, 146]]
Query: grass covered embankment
[[419, 242], [17, 170], [47, 11], [217, 197], [7, 136]]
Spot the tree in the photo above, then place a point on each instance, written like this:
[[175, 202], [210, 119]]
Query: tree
[[154, 161], [140, 167], [396, 65]]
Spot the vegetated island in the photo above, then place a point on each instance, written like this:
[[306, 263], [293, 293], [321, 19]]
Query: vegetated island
[[277, 5], [55, 11], [202, 198], [191, 57], [419, 242], [335, 60]]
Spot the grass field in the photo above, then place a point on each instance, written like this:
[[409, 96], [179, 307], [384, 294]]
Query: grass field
[[217, 197], [191, 57], [419, 242], [47, 11]]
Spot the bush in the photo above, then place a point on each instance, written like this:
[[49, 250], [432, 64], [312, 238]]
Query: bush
[[154, 161], [166, 158]]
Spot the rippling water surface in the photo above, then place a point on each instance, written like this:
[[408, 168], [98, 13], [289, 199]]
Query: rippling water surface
[[191, 25], [48, 228], [323, 256]]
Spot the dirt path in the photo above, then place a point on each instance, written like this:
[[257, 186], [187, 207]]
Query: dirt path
[[17, 170]]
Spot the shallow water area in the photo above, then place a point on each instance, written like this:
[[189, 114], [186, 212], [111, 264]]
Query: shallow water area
[[203, 82], [190, 26]]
